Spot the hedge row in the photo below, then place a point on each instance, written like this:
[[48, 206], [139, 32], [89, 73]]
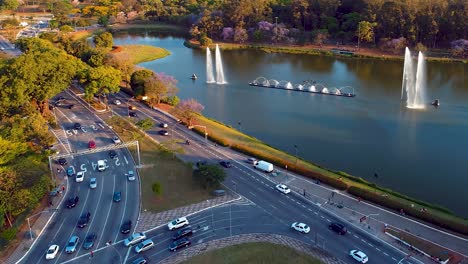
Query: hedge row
[[397, 205], [334, 182]]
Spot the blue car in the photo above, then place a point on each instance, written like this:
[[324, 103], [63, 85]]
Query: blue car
[[117, 197], [70, 171]]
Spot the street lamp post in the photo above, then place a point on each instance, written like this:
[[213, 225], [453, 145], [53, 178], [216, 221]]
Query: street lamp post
[[296, 149], [368, 219], [276, 29], [240, 126], [316, 221], [204, 127]]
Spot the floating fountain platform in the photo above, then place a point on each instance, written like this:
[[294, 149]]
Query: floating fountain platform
[[306, 86]]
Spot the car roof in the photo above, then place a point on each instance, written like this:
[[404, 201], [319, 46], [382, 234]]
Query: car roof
[[360, 253]]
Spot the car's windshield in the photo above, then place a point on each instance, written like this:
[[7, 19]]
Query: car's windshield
[[71, 244], [50, 251]]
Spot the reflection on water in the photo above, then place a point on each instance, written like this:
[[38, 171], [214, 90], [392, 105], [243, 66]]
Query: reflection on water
[[419, 153]]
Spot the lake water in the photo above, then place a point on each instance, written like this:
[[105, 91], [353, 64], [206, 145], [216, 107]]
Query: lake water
[[421, 153]]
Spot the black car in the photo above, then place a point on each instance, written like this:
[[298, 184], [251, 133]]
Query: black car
[[72, 201], [77, 126], [84, 220], [132, 114], [182, 233], [89, 241], [126, 227], [163, 132], [112, 154], [226, 164], [183, 242], [338, 228], [71, 106], [60, 98], [62, 161]]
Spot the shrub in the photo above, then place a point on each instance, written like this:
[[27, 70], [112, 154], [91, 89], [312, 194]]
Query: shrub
[[9, 234], [157, 188], [171, 100], [145, 124], [205, 41]]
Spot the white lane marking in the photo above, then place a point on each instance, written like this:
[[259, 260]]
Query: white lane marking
[[378, 249], [385, 253], [273, 206], [394, 259], [253, 194], [108, 212], [125, 158], [355, 236], [125, 208], [101, 125], [365, 242]]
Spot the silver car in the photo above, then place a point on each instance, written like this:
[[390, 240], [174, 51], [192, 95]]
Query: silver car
[[131, 176], [72, 244], [134, 239], [93, 183]]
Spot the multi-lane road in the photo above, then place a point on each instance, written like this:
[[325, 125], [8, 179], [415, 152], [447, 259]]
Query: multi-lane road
[[261, 210]]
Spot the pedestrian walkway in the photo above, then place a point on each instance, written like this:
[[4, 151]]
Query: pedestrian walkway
[[249, 238], [150, 220]]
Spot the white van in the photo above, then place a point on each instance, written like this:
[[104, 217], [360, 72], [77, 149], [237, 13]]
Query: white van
[[101, 165], [264, 166]]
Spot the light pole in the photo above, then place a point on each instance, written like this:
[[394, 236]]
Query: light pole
[[204, 127], [276, 29], [296, 149], [240, 126], [29, 224], [405, 257], [316, 221], [368, 219]]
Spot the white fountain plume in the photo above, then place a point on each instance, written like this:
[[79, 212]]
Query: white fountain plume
[[209, 67], [219, 67], [413, 89]]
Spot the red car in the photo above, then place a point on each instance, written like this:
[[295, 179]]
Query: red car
[[91, 144]]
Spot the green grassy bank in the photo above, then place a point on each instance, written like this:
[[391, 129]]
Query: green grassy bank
[[359, 187], [312, 51], [266, 253], [141, 53]]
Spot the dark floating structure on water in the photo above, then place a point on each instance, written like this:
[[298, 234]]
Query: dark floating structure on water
[[436, 103], [308, 86]]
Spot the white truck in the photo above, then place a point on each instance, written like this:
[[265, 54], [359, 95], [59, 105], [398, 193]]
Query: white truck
[[101, 165], [263, 166]]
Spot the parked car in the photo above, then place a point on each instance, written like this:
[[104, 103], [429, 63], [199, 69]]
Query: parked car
[[116, 140], [183, 242], [112, 154], [145, 245], [52, 252], [72, 244], [163, 132], [92, 183], [79, 176], [140, 260], [62, 161], [131, 176], [91, 144], [359, 256], [178, 223], [282, 188], [301, 227], [134, 239], [89, 241], [84, 220], [70, 171], [225, 164], [117, 197], [182, 233], [133, 114], [77, 126], [117, 102], [338, 228], [126, 227], [72, 201]]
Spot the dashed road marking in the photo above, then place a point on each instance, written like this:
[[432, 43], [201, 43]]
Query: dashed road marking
[[394, 259], [385, 253], [355, 236], [378, 249], [363, 240], [253, 194]]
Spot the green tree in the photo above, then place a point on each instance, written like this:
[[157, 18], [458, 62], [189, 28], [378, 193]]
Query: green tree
[[137, 80], [60, 9], [100, 81], [145, 124], [9, 4], [10, 150], [210, 176], [66, 29], [104, 40], [157, 188], [365, 31], [122, 62], [155, 89]]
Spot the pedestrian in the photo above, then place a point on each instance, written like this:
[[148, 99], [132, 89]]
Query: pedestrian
[[58, 170], [50, 203], [91, 254], [304, 192], [63, 188]]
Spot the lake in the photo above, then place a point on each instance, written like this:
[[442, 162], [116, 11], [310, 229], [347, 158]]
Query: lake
[[421, 153]]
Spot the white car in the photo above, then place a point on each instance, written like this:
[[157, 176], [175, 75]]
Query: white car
[[134, 239], [131, 176], [177, 223], [145, 245], [359, 256], [117, 102], [79, 176], [301, 227], [116, 140], [283, 188], [93, 183], [52, 252]]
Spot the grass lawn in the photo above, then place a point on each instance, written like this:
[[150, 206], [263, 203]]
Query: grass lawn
[[144, 26], [254, 253], [142, 53], [159, 165]]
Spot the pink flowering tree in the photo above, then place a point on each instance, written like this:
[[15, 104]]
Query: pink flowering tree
[[240, 35], [188, 109], [228, 33], [459, 47]]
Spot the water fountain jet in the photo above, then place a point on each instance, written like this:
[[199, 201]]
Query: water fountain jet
[[209, 67], [219, 67], [414, 84]]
